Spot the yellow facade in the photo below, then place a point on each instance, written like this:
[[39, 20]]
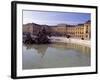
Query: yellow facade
[[81, 31]]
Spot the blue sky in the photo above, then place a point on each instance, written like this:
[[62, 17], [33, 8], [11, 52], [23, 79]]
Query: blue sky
[[54, 18]]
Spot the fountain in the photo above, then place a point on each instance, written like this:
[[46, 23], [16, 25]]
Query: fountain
[[41, 38]]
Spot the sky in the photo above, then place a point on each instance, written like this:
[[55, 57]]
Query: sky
[[54, 18]]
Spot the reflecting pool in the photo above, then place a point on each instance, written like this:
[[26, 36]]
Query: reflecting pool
[[55, 55]]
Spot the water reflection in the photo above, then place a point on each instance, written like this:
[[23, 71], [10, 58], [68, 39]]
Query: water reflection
[[55, 55], [41, 49], [70, 46]]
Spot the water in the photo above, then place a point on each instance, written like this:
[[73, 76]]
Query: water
[[56, 55]]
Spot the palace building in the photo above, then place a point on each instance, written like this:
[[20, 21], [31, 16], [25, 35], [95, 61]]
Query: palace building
[[80, 31]]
